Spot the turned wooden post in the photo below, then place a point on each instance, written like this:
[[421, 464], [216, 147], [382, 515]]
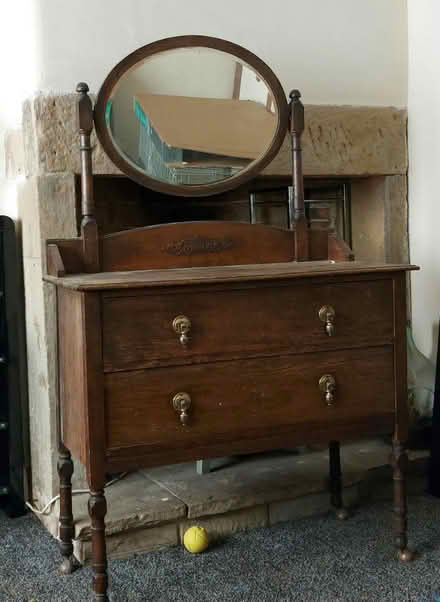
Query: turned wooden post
[[399, 463], [97, 511], [335, 480], [66, 529], [89, 229], [297, 214]]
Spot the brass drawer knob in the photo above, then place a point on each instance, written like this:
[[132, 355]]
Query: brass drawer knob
[[327, 385], [182, 326], [327, 315], [181, 404]]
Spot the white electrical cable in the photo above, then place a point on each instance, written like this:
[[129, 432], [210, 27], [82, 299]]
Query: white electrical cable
[[49, 504]]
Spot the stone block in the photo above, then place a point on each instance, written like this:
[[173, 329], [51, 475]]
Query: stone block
[[47, 209], [50, 126], [125, 544], [29, 216], [366, 454], [396, 219], [30, 142], [57, 207], [251, 481], [41, 392], [50, 519], [368, 219], [228, 523], [142, 517], [349, 141], [310, 505], [418, 461], [378, 485], [133, 502], [338, 140]]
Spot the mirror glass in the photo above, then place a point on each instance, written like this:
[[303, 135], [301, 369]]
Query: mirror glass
[[191, 116]]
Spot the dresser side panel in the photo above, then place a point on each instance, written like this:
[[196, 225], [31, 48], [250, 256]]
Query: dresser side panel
[[71, 371], [94, 390]]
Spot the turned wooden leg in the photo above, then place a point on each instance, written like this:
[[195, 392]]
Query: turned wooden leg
[[399, 462], [97, 512], [65, 471], [335, 480]]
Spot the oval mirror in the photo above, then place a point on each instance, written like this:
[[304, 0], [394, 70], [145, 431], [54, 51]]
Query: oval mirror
[[191, 115]]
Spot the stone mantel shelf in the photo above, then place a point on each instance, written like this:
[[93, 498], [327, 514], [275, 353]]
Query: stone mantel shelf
[[345, 141]]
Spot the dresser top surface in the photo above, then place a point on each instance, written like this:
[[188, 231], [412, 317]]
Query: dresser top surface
[[206, 275]]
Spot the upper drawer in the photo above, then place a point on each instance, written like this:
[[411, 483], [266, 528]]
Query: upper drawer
[[138, 330]]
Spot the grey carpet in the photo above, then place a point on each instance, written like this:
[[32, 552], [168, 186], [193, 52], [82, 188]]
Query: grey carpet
[[309, 560]]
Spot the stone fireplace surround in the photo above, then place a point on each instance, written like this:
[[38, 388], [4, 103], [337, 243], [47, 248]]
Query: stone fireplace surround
[[364, 145]]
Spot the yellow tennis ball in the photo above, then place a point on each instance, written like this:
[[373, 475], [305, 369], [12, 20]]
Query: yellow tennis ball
[[196, 540]]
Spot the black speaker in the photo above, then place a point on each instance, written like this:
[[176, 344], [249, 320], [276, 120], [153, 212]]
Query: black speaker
[[14, 441]]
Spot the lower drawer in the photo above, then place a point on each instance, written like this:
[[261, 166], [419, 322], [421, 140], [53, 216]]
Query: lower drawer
[[246, 398]]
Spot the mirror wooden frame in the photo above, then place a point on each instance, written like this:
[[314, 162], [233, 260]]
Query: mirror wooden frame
[[143, 53]]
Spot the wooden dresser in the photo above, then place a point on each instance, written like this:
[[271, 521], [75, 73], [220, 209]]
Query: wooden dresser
[[198, 339], [165, 366], [255, 368]]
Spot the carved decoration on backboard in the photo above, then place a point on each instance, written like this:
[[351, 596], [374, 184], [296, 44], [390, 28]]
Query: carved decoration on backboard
[[197, 245]]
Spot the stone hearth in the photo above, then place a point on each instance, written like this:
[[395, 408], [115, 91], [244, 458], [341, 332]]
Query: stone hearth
[[151, 509]]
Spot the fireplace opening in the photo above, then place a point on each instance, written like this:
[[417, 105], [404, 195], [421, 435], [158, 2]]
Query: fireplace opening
[[122, 204]]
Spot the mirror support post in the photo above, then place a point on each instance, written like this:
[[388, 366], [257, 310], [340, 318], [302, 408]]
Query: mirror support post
[[297, 215], [89, 229]]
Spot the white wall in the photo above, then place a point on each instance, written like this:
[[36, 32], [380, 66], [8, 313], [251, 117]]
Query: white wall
[[339, 52], [336, 52], [424, 168], [18, 71]]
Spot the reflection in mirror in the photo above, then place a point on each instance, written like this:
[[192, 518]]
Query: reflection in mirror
[[191, 116]]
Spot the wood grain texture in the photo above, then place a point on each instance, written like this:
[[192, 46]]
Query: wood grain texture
[[71, 253], [90, 244], [138, 332], [81, 379], [318, 245], [65, 519], [190, 244], [97, 507], [55, 265], [72, 376], [231, 400], [222, 274], [66, 257], [302, 242], [94, 390], [285, 437], [252, 368]]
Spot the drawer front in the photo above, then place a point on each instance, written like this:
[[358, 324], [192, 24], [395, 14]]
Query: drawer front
[[253, 397], [138, 330]]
